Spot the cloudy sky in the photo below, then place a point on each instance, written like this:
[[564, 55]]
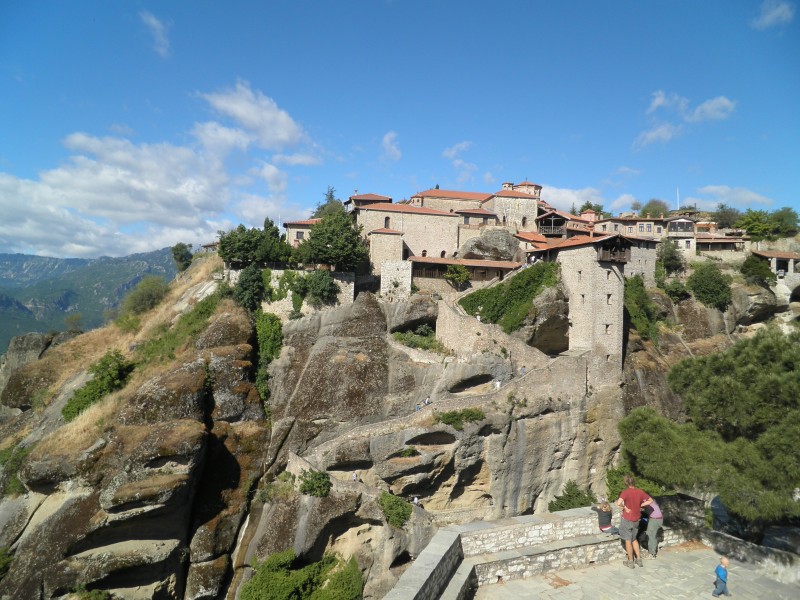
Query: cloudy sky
[[130, 126]]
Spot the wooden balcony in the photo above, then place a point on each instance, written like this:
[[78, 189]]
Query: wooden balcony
[[617, 256], [549, 230]]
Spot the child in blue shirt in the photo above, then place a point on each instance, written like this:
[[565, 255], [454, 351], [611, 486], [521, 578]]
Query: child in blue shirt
[[721, 582]]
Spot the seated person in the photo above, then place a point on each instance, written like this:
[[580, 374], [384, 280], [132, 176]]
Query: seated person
[[603, 511]]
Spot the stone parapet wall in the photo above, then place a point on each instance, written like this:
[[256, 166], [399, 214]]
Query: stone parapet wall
[[430, 573], [395, 281], [527, 531]]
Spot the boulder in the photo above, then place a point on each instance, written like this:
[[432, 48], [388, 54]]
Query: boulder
[[492, 244], [547, 325], [752, 304], [404, 316]]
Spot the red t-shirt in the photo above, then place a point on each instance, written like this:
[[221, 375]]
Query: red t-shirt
[[633, 498]]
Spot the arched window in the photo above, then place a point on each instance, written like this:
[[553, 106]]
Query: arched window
[[424, 253], [443, 254], [524, 221], [386, 222], [504, 219]]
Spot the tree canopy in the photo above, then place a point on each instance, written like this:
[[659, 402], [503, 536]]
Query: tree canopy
[[182, 255], [335, 241], [726, 216], [242, 246], [598, 208], [761, 225], [670, 257], [744, 406], [710, 285], [329, 206], [654, 208]]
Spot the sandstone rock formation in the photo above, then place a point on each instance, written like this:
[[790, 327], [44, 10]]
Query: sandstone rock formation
[[492, 244]]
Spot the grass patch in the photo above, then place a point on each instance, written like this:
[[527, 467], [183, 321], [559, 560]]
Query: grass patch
[[11, 460], [409, 452], [282, 488], [396, 510], [166, 341], [422, 338], [509, 304], [457, 418], [110, 373]]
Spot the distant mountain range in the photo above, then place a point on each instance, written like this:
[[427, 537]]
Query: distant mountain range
[[37, 293]]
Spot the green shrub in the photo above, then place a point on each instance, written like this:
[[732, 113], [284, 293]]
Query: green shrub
[[321, 288], [281, 488], [676, 290], [457, 418], [315, 483], [285, 284], [757, 270], [81, 593], [573, 497], [249, 290], [510, 303], [710, 286], [11, 460], [409, 452], [146, 295], [110, 373], [615, 482], [641, 310], [6, 557], [456, 275], [269, 333], [128, 322], [424, 338], [282, 577], [266, 280], [396, 510], [670, 257]]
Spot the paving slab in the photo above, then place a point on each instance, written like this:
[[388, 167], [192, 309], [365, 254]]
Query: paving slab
[[680, 572]]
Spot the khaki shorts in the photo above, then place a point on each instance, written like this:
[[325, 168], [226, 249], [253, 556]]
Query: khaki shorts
[[628, 529]]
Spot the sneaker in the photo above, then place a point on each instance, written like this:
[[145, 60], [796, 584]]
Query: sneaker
[[629, 564], [639, 562]]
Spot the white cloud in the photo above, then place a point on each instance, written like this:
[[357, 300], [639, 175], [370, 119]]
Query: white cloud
[[219, 139], [275, 178], [391, 150], [272, 127], [306, 160], [773, 13], [667, 101], [716, 109], [629, 171], [456, 149], [723, 194], [488, 178], [621, 202], [660, 133], [465, 170], [564, 198], [158, 29]]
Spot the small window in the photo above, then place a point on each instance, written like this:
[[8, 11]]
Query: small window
[[443, 254], [608, 298], [658, 229], [688, 243], [616, 226], [608, 329], [649, 228], [299, 235], [424, 253], [524, 221], [608, 275], [604, 226], [641, 227], [630, 228], [386, 222], [466, 219], [583, 298], [608, 357], [580, 275]]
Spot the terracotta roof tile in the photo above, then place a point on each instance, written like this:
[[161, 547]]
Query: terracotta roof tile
[[453, 195], [386, 231], [371, 197], [531, 236], [514, 194], [777, 254], [528, 183], [303, 222]]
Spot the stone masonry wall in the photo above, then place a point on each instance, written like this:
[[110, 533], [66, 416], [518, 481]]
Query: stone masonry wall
[[384, 248], [395, 280], [430, 233], [643, 262]]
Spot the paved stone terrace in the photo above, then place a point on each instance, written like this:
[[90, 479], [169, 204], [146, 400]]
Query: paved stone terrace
[[680, 572]]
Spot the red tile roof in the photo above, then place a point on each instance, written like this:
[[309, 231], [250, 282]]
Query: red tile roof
[[531, 236], [561, 213], [573, 242], [407, 208], [528, 183], [304, 222], [371, 198], [476, 211], [453, 195], [467, 262], [777, 254], [386, 231]]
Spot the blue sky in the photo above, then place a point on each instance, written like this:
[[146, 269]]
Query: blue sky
[[130, 126]]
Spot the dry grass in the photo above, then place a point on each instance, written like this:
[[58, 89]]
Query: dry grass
[[80, 434]]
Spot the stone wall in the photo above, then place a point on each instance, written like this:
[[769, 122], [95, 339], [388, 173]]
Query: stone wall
[[432, 234], [395, 280], [384, 248], [283, 308], [430, 573], [643, 262], [519, 213]]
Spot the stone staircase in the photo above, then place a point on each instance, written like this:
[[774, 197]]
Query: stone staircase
[[460, 558]]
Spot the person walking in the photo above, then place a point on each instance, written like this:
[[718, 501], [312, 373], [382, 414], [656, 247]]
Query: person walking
[[721, 581], [631, 501]]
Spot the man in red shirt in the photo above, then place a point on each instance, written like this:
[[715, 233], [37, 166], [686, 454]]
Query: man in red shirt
[[631, 500]]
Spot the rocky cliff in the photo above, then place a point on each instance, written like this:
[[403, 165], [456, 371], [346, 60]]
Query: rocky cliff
[[171, 487]]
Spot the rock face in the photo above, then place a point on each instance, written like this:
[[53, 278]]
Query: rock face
[[547, 327], [492, 244], [147, 503], [753, 304]]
